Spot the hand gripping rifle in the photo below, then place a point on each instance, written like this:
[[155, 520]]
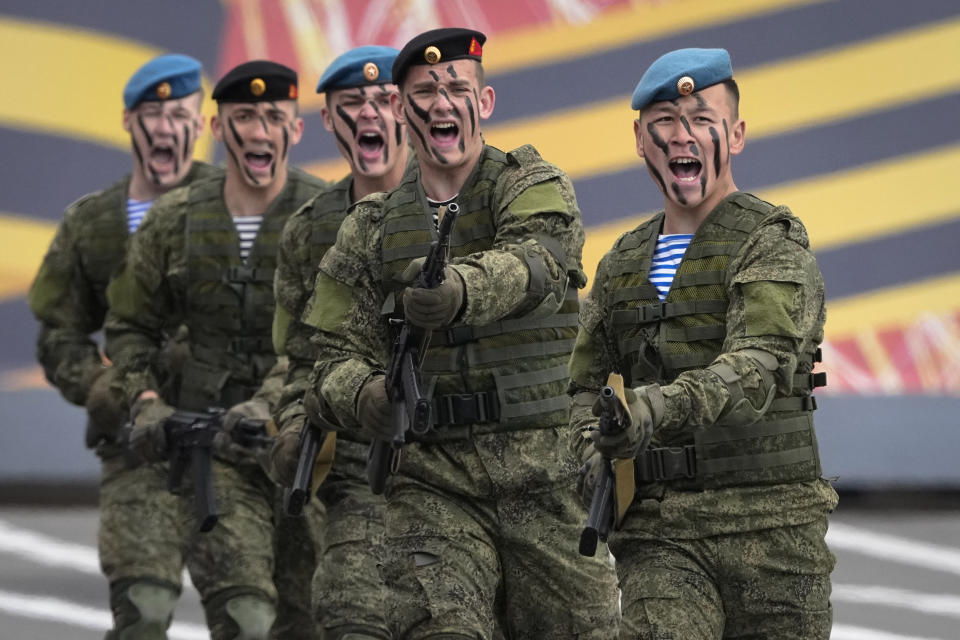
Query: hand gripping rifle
[[410, 409], [615, 486], [189, 439], [316, 457]]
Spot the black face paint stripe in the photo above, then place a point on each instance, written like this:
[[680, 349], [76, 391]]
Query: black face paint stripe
[[138, 153], [726, 133], [245, 170], [703, 185], [676, 192], [143, 128], [461, 145], [657, 140], [236, 134], [420, 135], [343, 143], [170, 121], [398, 131], [716, 150], [347, 119], [473, 121], [435, 76], [186, 141], [686, 124], [263, 121], [452, 71], [701, 103], [423, 115], [363, 91], [656, 174], [362, 163], [694, 150], [286, 144]]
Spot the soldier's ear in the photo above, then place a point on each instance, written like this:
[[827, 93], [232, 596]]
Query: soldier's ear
[[738, 134], [396, 106], [127, 120], [638, 134], [487, 99]]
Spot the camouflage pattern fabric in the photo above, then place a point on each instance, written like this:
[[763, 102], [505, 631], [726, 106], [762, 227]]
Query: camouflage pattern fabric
[[68, 297], [491, 503], [347, 586], [153, 292], [669, 515]]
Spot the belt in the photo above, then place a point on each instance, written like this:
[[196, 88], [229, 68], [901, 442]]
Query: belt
[[666, 463]]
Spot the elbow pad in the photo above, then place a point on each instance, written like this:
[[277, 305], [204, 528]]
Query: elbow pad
[[748, 377]]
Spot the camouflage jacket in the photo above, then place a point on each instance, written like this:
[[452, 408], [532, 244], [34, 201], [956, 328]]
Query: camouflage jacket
[[196, 278], [774, 302], [68, 296]]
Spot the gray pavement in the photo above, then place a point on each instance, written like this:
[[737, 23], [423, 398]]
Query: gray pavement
[[897, 576]]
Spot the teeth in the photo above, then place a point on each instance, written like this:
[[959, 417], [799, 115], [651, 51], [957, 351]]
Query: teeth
[[445, 125], [684, 160]]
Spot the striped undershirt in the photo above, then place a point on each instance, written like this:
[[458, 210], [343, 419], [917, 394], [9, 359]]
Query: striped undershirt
[[136, 210], [666, 258], [247, 227]]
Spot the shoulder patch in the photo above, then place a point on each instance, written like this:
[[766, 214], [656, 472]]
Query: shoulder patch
[[539, 198], [525, 155]]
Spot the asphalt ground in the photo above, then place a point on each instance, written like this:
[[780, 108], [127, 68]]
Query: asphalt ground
[[897, 575]]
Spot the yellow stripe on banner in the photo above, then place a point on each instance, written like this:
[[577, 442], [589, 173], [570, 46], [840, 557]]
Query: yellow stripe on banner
[[23, 244], [331, 170], [893, 307], [874, 200], [75, 79], [847, 206], [813, 89]]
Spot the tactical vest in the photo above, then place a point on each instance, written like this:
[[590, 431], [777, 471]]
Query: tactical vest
[[329, 210], [229, 302], [104, 236], [657, 341], [506, 376]]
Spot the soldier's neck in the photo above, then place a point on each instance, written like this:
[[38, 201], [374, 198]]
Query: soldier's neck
[[686, 219], [142, 188], [243, 199], [442, 183]]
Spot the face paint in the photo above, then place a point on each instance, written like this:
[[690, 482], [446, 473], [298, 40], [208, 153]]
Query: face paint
[[726, 134], [263, 121], [676, 191], [421, 113], [657, 140], [703, 185], [451, 71], [686, 125], [436, 78], [398, 132], [143, 128], [694, 150], [716, 149], [236, 134], [186, 142], [350, 122], [286, 144], [701, 103], [656, 174]]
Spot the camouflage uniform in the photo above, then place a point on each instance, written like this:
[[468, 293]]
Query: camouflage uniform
[[482, 510], [68, 296], [184, 267], [725, 536], [347, 586]]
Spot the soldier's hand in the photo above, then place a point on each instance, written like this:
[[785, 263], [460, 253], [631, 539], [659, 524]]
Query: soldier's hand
[[106, 411], [646, 411], [438, 307], [225, 445], [285, 454], [148, 438], [591, 465], [373, 408]]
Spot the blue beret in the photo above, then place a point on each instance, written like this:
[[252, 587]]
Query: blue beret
[[165, 77], [359, 67], [680, 73]]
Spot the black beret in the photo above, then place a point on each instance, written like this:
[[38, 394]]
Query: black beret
[[257, 81], [437, 46]]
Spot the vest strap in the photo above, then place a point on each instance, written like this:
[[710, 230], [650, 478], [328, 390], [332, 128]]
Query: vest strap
[[666, 463], [465, 408], [467, 333], [714, 435], [758, 461], [454, 361], [801, 403], [656, 312]]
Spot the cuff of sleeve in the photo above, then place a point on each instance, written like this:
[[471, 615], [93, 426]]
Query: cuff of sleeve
[[341, 388]]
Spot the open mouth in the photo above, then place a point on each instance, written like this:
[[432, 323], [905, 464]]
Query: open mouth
[[685, 169], [370, 145], [258, 161], [161, 156], [444, 133]]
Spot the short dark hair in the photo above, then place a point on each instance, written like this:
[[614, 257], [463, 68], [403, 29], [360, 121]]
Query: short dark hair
[[734, 92]]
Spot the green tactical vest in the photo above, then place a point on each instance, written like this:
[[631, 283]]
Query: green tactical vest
[[329, 210], [657, 341], [105, 233], [506, 376], [229, 302]]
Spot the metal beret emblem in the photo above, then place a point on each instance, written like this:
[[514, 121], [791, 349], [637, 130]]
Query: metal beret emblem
[[258, 87], [432, 54], [371, 72], [685, 85], [163, 90]]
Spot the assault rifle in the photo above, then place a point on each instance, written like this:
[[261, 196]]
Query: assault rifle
[[190, 437], [311, 439], [614, 418], [410, 409]]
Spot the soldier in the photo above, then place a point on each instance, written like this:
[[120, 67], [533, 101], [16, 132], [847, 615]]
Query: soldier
[[347, 587], [712, 310], [162, 115], [481, 519], [204, 258]]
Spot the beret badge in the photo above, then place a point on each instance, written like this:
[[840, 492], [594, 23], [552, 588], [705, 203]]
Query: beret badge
[[371, 71], [163, 90], [432, 54], [258, 87], [685, 86]]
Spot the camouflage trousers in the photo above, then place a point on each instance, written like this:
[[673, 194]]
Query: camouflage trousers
[[348, 590], [476, 566], [772, 583], [148, 534]]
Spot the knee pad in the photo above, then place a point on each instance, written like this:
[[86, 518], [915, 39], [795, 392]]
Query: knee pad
[[142, 609], [252, 616]]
